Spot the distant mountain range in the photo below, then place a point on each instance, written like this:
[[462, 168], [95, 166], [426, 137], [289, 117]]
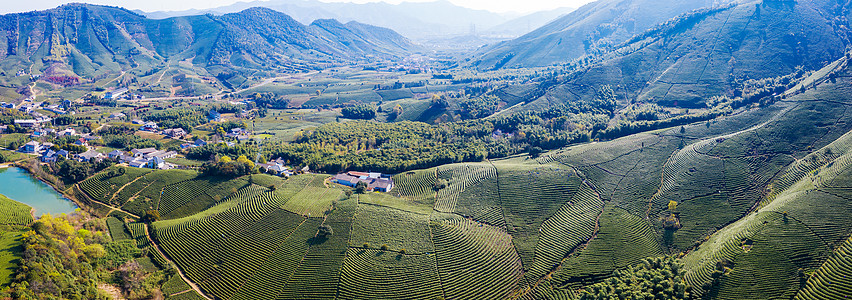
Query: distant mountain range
[[90, 40], [416, 20]]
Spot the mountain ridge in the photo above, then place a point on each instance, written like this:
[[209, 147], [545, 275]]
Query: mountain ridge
[[90, 40]]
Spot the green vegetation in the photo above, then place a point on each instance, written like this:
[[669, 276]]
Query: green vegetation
[[48, 272], [661, 153], [361, 112], [655, 278], [104, 185], [117, 229]]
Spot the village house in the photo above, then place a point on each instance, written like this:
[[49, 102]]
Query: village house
[[67, 132], [38, 133], [150, 126], [214, 116], [51, 156], [116, 93], [31, 123], [118, 115], [27, 107], [175, 133], [145, 158], [89, 156], [155, 163], [89, 137], [138, 163], [160, 154], [55, 108], [31, 147], [142, 152], [81, 142], [115, 154]]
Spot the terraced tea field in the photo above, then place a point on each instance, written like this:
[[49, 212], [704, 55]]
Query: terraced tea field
[[377, 274], [410, 230], [14, 212], [831, 280], [475, 260], [315, 199]]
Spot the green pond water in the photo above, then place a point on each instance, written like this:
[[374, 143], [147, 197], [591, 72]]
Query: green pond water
[[19, 185]]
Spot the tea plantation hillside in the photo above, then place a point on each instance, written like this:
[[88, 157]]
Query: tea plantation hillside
[[709, 52], [753, 205]]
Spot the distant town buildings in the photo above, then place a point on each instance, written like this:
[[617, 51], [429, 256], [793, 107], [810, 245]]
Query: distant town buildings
[[276, 167], [175, 133], [150, 126], [375, 181], [115, 94], [32, 123]]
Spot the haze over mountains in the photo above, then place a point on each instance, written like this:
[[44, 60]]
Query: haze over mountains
[[415, 20]]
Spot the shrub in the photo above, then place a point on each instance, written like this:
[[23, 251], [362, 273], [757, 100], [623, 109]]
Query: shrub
[[361, 187], [151, 216], [325, 230], [440, 184]]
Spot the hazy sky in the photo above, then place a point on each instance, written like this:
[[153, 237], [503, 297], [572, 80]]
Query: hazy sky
[[158, 5]]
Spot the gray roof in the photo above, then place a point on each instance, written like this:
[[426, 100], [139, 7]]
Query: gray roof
[[90, 154]]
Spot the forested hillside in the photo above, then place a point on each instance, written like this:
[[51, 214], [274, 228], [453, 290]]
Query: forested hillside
[[591, 29]]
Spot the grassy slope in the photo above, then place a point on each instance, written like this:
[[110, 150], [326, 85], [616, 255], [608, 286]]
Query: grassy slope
[[10, 254]]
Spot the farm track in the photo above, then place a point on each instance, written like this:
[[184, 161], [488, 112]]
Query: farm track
[[122, 188], [113, 208], [179, 271]]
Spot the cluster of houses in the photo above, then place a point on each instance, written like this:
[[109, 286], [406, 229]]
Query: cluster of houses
[[139, 158], [29, 107], [375, 181], [239, 134], [49, 155], [144, 158], [174, 133]]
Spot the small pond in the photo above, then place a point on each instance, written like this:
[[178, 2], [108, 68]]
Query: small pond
[[19, 185]]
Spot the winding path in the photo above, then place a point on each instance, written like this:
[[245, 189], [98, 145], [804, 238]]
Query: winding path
[[180, 273]]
